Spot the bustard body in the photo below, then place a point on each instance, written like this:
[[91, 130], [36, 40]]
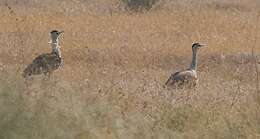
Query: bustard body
[[48, 62], [188, 77]]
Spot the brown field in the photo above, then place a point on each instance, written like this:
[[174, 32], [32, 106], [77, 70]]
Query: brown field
[[115, 63]]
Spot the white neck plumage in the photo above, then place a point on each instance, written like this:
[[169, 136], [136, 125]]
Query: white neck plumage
[[193, 65], [55, 47]]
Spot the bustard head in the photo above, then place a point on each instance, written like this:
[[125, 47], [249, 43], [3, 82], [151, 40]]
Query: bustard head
[[196, 46], [55, 36]]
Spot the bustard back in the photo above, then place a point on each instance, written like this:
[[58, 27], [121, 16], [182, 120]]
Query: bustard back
[[186, 77], [48, 62]]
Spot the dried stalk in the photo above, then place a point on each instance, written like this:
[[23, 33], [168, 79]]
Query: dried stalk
[[257, 76]]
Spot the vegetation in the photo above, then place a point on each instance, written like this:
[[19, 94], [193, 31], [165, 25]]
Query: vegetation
[[137, 5], [116, 63]]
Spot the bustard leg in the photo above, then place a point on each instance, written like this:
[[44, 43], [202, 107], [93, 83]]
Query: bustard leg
[[28, 83], [47, 75]]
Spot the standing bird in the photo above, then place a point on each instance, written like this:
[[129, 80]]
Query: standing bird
[[187, 77], [48, 62]]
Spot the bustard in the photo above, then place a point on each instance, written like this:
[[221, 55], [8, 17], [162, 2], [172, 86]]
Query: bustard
[[186, 77], [48, 62]]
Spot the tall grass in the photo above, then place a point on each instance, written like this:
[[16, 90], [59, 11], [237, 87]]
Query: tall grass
[[115, 64]]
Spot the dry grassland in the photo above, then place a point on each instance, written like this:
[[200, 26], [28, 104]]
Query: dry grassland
[[115, 63]]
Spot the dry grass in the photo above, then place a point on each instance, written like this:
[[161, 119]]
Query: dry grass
[[116, 62]]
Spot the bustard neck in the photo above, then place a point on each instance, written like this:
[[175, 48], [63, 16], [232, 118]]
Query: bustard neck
[[55, 47], [193, 65]]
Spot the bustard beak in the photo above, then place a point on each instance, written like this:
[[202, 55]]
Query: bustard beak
[[60, 32], [202, 45]]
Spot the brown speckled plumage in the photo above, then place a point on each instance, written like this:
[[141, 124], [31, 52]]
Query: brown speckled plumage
[[48, 62], [186, 78], [44, 63]]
